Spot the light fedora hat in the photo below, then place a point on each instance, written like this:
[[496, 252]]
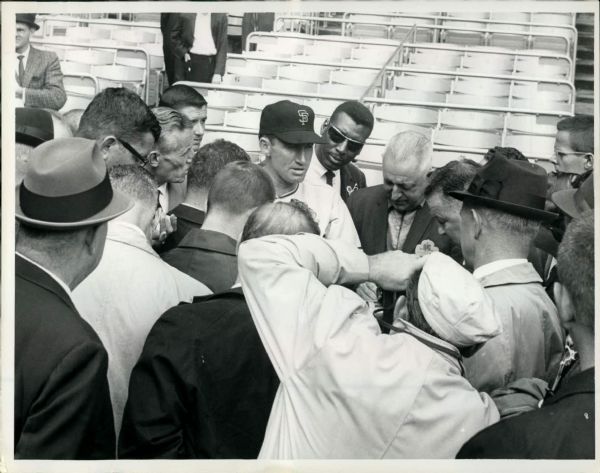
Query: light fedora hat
[[67, 186]]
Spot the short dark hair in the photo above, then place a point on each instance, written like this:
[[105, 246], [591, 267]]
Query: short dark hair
[[119, 112], [357, 111], [453, 176], [178, 96], [279, 218], [505, 152], [240, 186], [210, 159], [136, 182], [581, 132], [576, 266]]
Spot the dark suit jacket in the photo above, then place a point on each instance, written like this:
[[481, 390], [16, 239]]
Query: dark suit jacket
[[182, 38], [43, 80], [562, 429], [369, 210], [210, 257], [351, 179], [203, 386], [187, 219], [62, 402], [167, 20]]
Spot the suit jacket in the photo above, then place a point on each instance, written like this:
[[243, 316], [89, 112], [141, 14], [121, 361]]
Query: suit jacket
[[369, 210], [62, 403], [187, 219], [167, 20], [182, 37], [43, 80], [351, 179], [562, 429], [210, 257], [203, 386]]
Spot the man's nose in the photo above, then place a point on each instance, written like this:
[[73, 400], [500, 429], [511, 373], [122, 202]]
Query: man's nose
[[199, 129], [441, 230], [397, 193]]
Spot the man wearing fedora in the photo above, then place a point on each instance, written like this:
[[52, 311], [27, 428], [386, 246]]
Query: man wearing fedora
[[286, 137], [500, 217], [38, 75], [62, 404]]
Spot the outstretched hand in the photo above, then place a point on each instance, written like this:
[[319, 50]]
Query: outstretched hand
[[392, 270]]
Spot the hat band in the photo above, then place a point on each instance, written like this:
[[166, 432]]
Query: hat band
[[68, 208]]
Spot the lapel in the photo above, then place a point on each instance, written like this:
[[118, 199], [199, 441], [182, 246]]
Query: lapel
[[347, 181], [32, 61], [25, 270], [417, 229], [379, 222]]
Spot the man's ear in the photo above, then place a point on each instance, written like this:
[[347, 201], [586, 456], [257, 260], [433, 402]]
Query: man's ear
[[589, 161], [106, 143], [265, 146], [324, 126], [154, 158], [477, 223], [564, 303]]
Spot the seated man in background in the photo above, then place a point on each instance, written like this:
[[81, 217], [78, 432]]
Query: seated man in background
[[500, 217], [564, 427], [395, 215], [344, 135], [286, 137], [131, 286], [214, 400], [191, 104], [347, 390], [62, 406], [206, 163], [208, 254], [123, 126], [34, 126], [38, 75]]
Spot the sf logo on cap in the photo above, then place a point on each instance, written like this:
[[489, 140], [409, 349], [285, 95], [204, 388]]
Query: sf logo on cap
[[303, 117]]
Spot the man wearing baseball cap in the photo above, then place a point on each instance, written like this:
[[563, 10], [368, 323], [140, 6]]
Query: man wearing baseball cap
[[501, 214], [286, 138], [38, 75], [62, 404]]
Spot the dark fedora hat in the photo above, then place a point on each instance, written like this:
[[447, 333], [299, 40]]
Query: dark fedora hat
[[574, 202], [33, 126], [67, 186], [515, 187], [28, 19]]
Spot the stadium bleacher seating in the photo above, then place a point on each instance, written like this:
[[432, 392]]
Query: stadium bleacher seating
[[470, 80]]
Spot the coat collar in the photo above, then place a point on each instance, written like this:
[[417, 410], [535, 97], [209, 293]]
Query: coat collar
[[36, 275], [580, 383], [189, 213], [32, 61], [129, 234], [210, 241], [523, 273]]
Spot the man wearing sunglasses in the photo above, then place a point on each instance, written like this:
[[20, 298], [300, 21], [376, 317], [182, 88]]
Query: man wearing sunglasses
[[286, 138], [344, 135]]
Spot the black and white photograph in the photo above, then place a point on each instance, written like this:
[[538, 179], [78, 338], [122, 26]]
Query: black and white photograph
[[298, 236]]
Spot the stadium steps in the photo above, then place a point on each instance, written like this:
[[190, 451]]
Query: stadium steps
[[584, 66]]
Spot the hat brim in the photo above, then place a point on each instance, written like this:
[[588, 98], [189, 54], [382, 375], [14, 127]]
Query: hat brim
[[299, 137], [509, 207], [119, 204], [29, 23], [565, 201]]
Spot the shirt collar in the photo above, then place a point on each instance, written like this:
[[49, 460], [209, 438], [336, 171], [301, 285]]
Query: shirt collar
[[60, 282], [24, 53], [494, 266], [129, 234], [319, 168]]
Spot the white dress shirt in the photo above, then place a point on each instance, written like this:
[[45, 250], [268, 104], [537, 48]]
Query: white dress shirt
[[124, 296], [316, 174], [204, 43], [347, 390], [331, 212]]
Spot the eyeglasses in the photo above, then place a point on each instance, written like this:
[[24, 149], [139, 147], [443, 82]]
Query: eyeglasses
[[133, 151], [337, 137], [561, 154]]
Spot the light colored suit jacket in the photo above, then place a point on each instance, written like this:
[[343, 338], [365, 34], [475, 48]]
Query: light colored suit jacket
[[43, 80]]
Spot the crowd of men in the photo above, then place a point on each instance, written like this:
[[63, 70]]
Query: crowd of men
[[178, 300]]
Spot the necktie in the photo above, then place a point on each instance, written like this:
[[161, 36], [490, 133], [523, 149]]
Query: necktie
[[21, 69], [329, 175]]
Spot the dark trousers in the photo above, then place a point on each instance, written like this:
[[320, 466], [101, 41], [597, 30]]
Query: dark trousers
[[202, 68]]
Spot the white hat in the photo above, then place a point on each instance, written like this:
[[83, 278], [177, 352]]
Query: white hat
[[454, 303]]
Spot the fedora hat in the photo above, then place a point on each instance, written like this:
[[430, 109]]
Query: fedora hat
[[574, 202], [28, 19], [511, 186], [33, 126], [67, 186]]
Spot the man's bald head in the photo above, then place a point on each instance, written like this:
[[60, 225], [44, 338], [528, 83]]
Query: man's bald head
[[406, 162], [280, 218]]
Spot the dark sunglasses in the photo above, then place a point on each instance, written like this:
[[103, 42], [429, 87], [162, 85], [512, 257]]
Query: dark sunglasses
[[133, 151], [337, 137]]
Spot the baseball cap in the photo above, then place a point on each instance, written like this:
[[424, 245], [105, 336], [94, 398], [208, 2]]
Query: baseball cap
[[290, 122]]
